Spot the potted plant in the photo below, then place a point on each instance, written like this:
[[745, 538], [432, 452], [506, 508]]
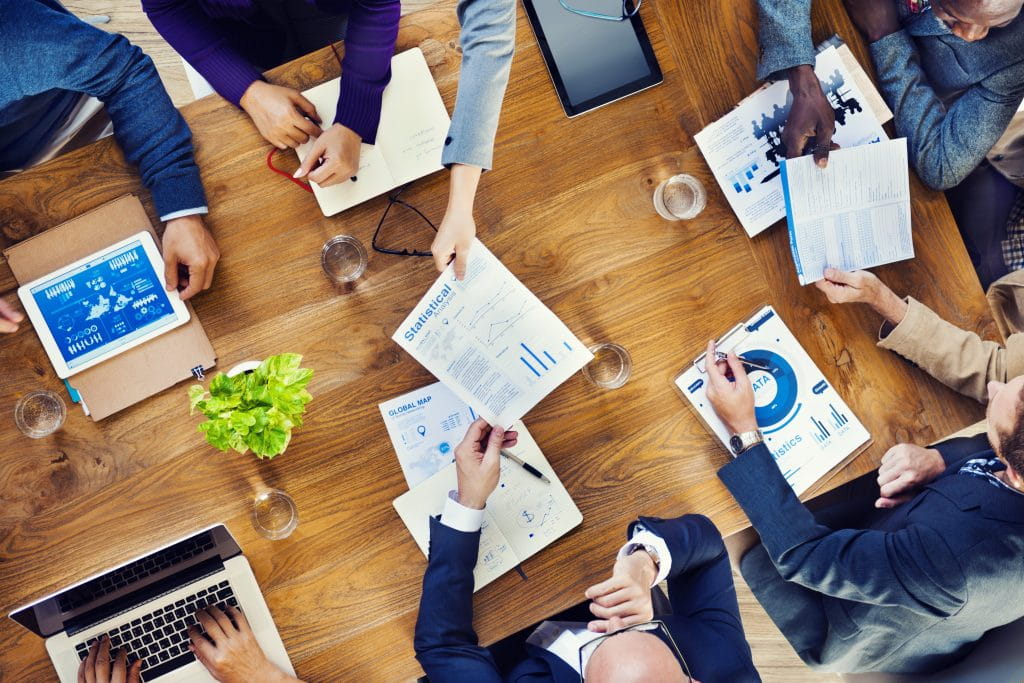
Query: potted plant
[[254, 407]]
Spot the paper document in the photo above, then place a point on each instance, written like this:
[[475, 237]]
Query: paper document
[[522, 516], [807, 425], [744, 148], [490, 340], [410, 137], [851, 215], [425, 426]]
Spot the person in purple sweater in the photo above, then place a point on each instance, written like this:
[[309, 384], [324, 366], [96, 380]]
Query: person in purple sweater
[[231, 42]]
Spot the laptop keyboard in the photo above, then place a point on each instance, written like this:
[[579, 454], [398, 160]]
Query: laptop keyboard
[[160, 638]]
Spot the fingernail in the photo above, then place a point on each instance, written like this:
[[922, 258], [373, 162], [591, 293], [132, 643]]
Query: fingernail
[[297, 174]]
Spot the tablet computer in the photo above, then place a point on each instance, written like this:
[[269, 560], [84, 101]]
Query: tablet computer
[[102, 305], [592, 61]]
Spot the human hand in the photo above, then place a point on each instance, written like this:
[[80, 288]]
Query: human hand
[[477, 462], [9, 317], [97, 667], [873, 18], [189, 247], [906, 467], [280, 113], [811, 116], [626, 596], [732, 401], [843, 287], [454, 238], [229, 650], [338, 148]]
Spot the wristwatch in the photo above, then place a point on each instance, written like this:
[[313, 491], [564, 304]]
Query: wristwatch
[[646, 547], [740, 443]]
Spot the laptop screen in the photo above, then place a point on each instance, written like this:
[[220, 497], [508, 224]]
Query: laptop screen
[[157, 572]]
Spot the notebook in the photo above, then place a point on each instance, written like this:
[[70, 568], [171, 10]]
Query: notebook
[[523, 515], [413, 127], [806, 424]]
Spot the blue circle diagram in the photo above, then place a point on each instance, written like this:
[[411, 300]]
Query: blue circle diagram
[[779, 406]]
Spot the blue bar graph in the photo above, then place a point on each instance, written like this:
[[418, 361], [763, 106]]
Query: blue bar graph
[[822, 434], [741, 180], [838, 419], [527, 364], [533, 355], [548, 356]]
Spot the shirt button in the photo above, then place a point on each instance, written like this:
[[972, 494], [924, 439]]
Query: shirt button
[[448, 140]]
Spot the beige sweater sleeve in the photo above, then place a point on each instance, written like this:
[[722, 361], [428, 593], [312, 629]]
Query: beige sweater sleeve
[[959, 359]]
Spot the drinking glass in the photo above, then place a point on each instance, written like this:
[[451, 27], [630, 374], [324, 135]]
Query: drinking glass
[[680, 197], [40, 413], [343, 259], [274, 515], [610, 367]]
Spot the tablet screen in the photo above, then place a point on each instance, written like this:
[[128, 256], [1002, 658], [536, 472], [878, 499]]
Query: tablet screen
[[103, 304], [596, 60]]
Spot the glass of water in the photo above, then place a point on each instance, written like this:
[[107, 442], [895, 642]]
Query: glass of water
[[610, 367], [40, 413], [680, 197], [343, 259], [274, 515]]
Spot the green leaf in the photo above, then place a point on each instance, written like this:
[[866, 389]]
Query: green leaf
[[196, 392], [218, 433], [221, 385]]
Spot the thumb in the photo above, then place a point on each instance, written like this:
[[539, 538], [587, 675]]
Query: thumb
[[823, 143], [170, 269], [461, 257], [736, 365], [134, 671], [305, 106], [494, 442], [840, 276], [311, 160]]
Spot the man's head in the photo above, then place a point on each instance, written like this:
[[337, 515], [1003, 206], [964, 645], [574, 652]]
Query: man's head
[[633, 657], [972, 19], [1005, 417]]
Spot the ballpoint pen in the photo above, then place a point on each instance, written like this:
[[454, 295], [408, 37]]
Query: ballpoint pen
[[526, 466], [722, 356]]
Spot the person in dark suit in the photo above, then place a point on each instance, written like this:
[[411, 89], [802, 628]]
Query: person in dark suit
[[924, 572], [619, 637]]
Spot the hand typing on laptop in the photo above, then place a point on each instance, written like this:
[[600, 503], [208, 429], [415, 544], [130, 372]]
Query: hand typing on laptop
[[229, 650], [98, 667]]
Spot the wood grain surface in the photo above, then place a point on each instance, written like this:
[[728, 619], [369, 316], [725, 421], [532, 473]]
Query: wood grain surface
[[568, 209]]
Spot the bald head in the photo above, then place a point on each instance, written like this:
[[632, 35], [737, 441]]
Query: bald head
[[633, 657], [972, 19]]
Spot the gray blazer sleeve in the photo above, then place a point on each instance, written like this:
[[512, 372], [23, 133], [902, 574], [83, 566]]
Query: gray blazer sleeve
[[488, 39], [912, 568], [784, 35]]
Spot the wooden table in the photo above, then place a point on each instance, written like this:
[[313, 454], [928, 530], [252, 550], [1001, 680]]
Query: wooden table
[[569, 210]]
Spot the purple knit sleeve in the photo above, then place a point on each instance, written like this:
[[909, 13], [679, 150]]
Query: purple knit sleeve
[[366, 67], [186, 26]]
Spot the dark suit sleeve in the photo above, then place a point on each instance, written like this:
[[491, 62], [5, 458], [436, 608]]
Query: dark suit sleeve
[[785, 36], [955, 451], [445, 642], [912, 567]]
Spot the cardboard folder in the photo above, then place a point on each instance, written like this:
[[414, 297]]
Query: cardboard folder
[[140, 372]]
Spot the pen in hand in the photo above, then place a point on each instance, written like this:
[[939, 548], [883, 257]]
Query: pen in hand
[[526, 466]]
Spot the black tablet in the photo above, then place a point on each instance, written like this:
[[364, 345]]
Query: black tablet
[[592, 61]]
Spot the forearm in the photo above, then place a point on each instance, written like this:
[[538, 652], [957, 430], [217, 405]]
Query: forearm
[[784, 33], [487, 39], [462, 187], [366, 67]]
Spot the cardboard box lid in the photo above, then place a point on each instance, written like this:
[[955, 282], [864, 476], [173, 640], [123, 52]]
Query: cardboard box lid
[[137, 373]]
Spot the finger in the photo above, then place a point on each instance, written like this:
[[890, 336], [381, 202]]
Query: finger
[[10, 312], [475, 432], [307, 165], [794, 142], [887, 503], [103, 661], [598, 626], [306, 128], [222, 619], [607, 586], [196, 279], [823, 145], [623, 595], [210, 625], [306, 107], [324, 171], [441, 254], [622, 610], [494, 441], [461, 258], [135, 671], [170, 270], [294, 138], [739, 373], [891, 453], [81, 671], [6, 326], [715, 374], [120, 671], [90, 663], [615, 624], [898, 485], [839, 276], [201, 647], [240, 621], [208, 282], [887, 475]]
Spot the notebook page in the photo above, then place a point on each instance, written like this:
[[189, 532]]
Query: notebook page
[[413, 121]]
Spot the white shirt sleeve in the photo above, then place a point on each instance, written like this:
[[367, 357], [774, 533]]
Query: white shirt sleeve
[[459, 517], [641, 537], [184, 212]]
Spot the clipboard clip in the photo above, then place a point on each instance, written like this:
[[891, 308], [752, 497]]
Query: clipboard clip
[[724, 340]]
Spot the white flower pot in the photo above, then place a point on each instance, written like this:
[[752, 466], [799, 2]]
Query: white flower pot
[[245, 366]]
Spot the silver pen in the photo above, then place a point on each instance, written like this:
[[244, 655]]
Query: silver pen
[[525, 465]]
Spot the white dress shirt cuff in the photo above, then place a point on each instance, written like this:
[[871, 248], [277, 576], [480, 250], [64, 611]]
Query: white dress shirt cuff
[[459, 517], [184, 212], [642, 537]]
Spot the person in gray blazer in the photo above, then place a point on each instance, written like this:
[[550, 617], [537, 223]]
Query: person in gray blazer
[[912, 586]]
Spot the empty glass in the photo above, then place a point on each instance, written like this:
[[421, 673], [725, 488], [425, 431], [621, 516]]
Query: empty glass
[[611, 366], [343, 259], [274, 515], [40, 413], [681, 197]]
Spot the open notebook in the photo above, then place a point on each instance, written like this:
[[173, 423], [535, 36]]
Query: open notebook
[[523, 515], [413, 126]]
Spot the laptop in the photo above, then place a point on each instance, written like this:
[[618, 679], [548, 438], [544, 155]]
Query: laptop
[[148, 604]]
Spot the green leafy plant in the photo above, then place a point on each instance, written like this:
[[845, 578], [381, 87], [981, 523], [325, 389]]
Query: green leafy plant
[[254, 410]]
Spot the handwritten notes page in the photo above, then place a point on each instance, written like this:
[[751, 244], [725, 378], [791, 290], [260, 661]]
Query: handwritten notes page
[[853, 214], [413, 126], [523, 515]]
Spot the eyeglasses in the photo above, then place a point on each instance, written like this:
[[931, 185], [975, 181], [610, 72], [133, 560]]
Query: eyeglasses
[[587, 650], [395, 197], [628, 12]]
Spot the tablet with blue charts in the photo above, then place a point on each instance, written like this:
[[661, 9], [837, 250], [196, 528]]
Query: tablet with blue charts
[[596, 51], [102, 305]]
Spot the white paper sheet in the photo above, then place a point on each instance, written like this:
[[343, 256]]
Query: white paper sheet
[[490, 340], [851, 215]]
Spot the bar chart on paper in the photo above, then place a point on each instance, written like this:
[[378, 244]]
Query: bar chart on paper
[[742, 179], [542, 361]]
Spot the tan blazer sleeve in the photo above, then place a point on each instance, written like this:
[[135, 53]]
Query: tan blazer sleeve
[[959, 359]]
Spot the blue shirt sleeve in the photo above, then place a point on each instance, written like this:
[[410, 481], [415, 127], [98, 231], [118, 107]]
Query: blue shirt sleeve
[[784, 35]]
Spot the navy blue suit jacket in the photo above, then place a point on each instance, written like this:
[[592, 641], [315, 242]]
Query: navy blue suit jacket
[[910, 592], [705, 620]]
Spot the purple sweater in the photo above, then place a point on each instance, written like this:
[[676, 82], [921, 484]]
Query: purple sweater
[[198, 31]]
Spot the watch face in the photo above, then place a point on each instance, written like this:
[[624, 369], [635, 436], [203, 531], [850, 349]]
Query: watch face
[[736, 443]]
